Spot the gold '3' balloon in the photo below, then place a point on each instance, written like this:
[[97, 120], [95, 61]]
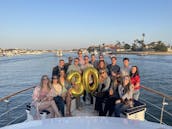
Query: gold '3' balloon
[[74, 77], [81, 83]]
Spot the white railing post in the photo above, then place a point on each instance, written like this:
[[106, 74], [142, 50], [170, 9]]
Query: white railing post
[[7, 108], [162, 110]]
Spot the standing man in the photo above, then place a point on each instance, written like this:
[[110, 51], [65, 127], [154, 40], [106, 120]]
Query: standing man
[[75, 66], [93, 61], [70, 59], [125, 70], [113, 68], [56, 70], [84, 67], [86, 63], [81, 60]]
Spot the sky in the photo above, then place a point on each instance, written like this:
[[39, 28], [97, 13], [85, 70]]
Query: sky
[[67, 24]]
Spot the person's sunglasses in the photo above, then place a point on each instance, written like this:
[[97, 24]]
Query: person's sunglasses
[[102, 72]]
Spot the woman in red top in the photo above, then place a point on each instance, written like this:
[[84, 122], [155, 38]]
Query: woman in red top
[[135, 81]]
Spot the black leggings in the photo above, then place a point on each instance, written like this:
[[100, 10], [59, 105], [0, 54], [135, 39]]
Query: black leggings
[[109, 106]]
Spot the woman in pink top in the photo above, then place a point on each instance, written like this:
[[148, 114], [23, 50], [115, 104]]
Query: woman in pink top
[[42, 98]]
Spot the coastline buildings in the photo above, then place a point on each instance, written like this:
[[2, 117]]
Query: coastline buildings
[[15, 51], [136, 46]]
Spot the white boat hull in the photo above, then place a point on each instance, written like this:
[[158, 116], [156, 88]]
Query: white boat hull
[[88, 123]]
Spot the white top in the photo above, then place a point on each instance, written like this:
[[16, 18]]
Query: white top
[[56, 90]]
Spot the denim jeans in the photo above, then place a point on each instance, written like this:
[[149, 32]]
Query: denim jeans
[[60, 104], [136, 94], [119, 108]]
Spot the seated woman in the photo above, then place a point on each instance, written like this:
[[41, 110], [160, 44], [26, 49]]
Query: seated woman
[[43, 100], [125, 91], [102, 93], [65, 91], [135, 81], [113, 96], [57, 93]]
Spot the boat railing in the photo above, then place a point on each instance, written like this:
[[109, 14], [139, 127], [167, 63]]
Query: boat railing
[[165, 97], [164, 103], [7, 100]]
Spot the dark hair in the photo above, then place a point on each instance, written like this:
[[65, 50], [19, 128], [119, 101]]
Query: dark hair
[[100, 62], [86, 56], [113, 57], [64, 72], [92, 54], [136, 73], [76, 58], [53, 77], [61, 60], [126, 59]]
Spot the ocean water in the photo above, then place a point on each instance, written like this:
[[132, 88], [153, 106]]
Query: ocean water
[[19, 72]]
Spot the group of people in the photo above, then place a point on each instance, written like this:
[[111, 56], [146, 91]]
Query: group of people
[[117, 88]]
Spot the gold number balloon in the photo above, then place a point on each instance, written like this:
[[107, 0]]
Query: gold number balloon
[[75, 77], [90, 74]]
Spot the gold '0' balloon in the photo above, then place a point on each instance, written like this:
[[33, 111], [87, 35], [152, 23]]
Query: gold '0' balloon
[[74, 77], [90, 74]]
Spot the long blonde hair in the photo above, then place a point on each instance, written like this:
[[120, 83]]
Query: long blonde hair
[[48, 84]]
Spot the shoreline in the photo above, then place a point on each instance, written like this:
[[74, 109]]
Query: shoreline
[[145, 53]]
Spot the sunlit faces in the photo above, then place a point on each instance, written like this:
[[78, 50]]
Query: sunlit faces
[[86, 59], [93, 58], [62, 73], [70, 59], [55, 79], [126, 80], [45, 80], [113, 60], [61, 63], [126, 62], [101, 64], [103, 73], [79, 53], [133, 70], [76, 61]]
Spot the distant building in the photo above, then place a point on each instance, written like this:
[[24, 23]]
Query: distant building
[[120, 49], [169, 49]]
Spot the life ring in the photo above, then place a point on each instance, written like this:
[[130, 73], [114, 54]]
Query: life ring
[[90, 73]]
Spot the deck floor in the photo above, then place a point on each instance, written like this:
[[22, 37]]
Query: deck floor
[[85, 110]]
